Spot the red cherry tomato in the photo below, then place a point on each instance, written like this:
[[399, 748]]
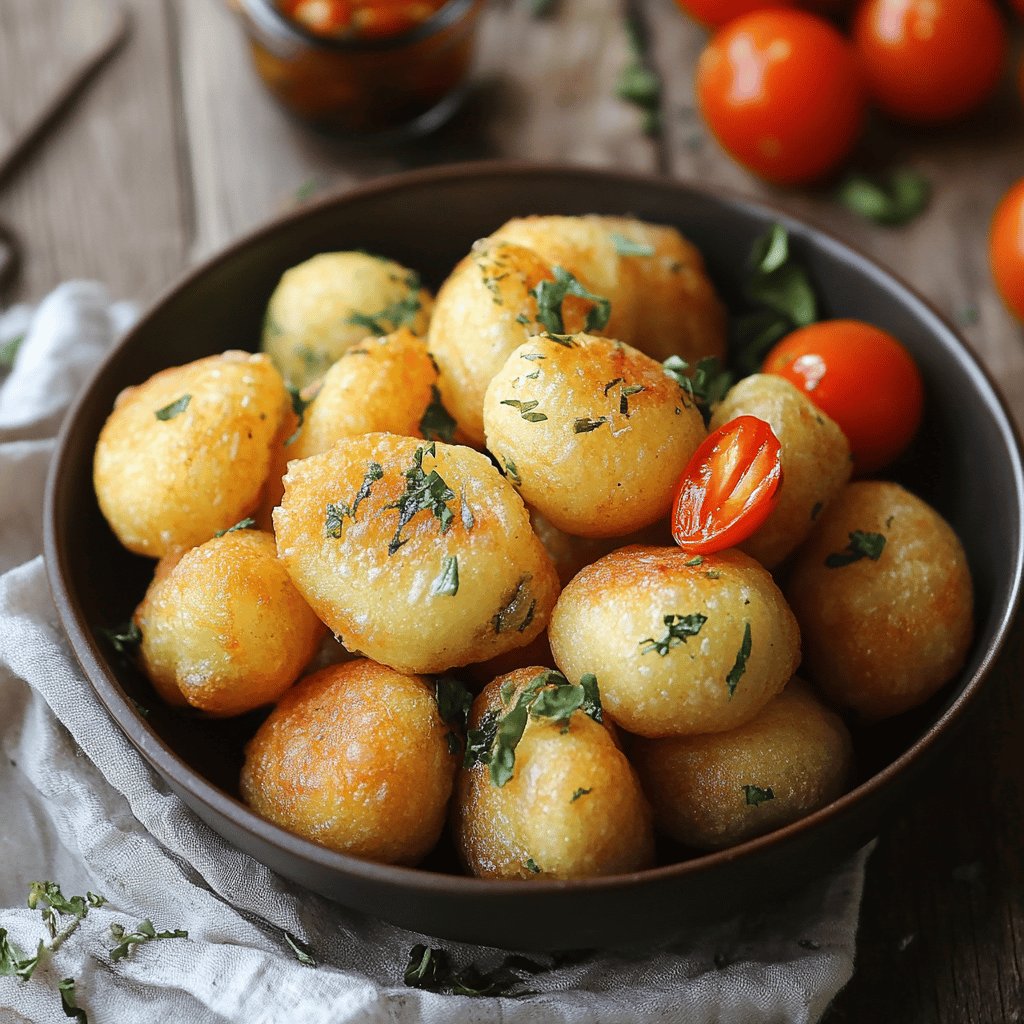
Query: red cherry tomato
[[863, 378], [729, 487], [929, 61], [1006, 249], [782, 92], [718, 12]]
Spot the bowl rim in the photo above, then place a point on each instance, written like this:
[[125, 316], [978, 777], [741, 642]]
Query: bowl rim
[[180, 775]]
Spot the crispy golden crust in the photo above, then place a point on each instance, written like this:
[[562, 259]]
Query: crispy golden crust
[[356, 758], [333, 301], [815, 460], [484, 311], [171, 483], [615, 437], [662, 303], [572, 809], [610, 620], [381, 385], [389, 591], [883, 636], [223, 627], [713, 791]]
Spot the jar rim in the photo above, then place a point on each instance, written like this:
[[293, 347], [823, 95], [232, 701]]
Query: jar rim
[[268, 15]]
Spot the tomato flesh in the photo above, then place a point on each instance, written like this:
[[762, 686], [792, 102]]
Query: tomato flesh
[[729, 487]]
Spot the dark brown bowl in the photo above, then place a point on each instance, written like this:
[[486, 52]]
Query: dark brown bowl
[[966, 461]]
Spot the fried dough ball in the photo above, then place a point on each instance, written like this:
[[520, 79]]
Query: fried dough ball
[[662, 301], [381, 385], [223, 627], [815, 460], [681, 645], [420, 556], [884, 598], [484, 312], [186, 453], [571, 554], [355, 758], [713, 791], [592, 432], [333, 301], [573, 807]]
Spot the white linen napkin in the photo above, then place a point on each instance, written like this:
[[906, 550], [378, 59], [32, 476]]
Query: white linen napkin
[[79, 806]]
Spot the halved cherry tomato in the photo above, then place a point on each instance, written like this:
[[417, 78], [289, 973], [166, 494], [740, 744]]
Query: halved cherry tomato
[[1006, 249], [929, 61], [863, 378], [782, 92], [729, 487]]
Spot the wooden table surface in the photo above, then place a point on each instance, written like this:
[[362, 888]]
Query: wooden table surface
[[174, 150]]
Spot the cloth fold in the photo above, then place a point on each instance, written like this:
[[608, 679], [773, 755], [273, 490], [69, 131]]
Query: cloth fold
[[78, 805]]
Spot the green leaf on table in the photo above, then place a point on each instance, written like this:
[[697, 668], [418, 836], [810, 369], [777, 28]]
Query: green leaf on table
[[144, 932], [302, 952], [9, 351], [893, 199], [68, 1001]]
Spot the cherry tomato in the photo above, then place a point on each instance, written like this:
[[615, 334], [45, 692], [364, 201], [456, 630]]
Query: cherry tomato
[[729, 487], [783, 93], [929, 61], [718, 12], [863, 378], [1006, 249]]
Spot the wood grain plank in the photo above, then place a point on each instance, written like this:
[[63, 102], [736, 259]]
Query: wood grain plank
[[544, 91], [99, 196]]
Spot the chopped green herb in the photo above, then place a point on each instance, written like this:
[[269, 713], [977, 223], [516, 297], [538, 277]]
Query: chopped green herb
[[696, 560], [624, 396], [627, 247], [124, 639], [551, 294], [424, 492], [427, 968], [892, 200], [68, 1001], [307, 190], [453, 701], [336, 514], [582, 425], [712, 574], [565, 340], [523, 319], [401, 313], [706, 386], [52, 905], [175, 408], [611, 384], [437, 423], [510, 469], [531, 865], [447, 582], [525, 410], [578, 793], [511, 614], [548, 695], [679, 628], [480, 741], [302, 952], [532, 356], [243, 524], [740, 665], [638, 82], [862, 545], [527, 618], [145, 932], [755, 795], [780, 290], [9, 351]]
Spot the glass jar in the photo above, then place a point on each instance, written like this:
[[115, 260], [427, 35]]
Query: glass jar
[[392, 85]]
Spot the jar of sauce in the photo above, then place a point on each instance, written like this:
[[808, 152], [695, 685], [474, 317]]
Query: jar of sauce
[[364, 67]]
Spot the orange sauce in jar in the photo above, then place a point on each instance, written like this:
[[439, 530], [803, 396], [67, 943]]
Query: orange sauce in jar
[[364, 67]]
